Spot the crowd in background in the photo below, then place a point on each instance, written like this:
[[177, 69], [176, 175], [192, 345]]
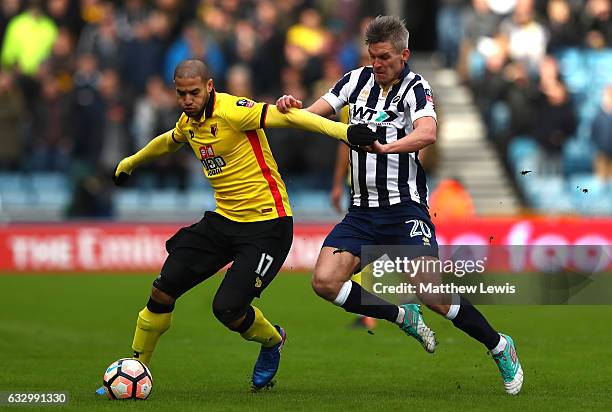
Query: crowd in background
[[539, 70], [84, 83]]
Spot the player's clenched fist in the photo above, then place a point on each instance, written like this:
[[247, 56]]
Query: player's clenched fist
[[286, 102], [123, 171], [360, 135]]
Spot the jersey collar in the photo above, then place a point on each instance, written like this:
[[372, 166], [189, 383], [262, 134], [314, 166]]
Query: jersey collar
[[210, 107], [404, 72], [401, 76]]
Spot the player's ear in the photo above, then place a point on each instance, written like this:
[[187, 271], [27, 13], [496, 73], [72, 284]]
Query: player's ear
[[405, 55], [209, 85]]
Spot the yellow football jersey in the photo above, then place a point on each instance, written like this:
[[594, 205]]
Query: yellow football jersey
[[229, 141]]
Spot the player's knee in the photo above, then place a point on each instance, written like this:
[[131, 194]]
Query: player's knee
[[229, 314], [162, 297], [325, 288]]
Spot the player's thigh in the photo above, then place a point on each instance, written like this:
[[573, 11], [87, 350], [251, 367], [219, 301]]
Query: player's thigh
[[195, 253], [334, 266], [414, 233], [185, 268], [260, 252]]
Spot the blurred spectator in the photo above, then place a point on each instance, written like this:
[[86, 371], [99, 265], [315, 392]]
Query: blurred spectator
[[450, 29], [143, 53], [115, 142], [60, 63], [51, 141], [8, 9], [152, 115], [100, 38], [194, 43], [153, 112], [92, 11], [270, 49], [88, 113], [12, 113], [597, 24], [28, 39], [308, 34], [521, 96], [480, 27], [563, 27], [332, 71], [239, 81], [450, 200], [526, 37], [549, 72], [307, 42], [91, 197], [502, 7], [554, 123], [66, 13], [602, 136], [352, 49]]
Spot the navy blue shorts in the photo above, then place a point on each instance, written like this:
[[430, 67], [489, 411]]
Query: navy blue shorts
[[402, 224]]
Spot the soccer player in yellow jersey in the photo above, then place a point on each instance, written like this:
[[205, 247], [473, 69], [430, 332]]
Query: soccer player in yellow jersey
[[252, 224]]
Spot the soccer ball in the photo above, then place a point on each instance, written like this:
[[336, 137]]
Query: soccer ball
[[127, 379]]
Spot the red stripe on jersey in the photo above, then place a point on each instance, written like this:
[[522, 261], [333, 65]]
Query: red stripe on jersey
[[265, 170]]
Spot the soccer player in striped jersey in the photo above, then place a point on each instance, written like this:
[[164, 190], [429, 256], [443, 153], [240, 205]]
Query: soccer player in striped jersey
[[389, 194], [252, 224]]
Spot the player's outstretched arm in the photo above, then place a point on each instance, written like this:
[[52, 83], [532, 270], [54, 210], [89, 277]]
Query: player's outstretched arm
[[357, 135], [159, 146]]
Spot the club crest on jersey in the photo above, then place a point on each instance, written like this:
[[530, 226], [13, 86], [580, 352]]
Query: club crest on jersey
[[429, 96], [245, 103], [214, 129], [212, 164], [395, 100]]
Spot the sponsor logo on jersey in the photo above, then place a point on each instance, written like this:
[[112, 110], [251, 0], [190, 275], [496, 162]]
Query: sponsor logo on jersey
[[212, 164], [378, 117], [245, 103]]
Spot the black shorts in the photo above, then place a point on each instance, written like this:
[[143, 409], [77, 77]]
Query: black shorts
[[196, 252]]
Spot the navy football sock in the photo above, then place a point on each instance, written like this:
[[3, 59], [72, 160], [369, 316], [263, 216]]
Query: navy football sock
[[472, 322], [362, 302]]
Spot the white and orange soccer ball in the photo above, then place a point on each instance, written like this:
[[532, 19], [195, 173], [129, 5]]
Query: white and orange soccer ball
[[127, 379]]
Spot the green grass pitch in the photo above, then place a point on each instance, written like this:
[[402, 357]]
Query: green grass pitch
[[58, 333]]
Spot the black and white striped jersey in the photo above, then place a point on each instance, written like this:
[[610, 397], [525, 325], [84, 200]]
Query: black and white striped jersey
[[382, 180]]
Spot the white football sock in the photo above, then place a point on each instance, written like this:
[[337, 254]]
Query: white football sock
[[400, 315], [343, 295], [500, 346]]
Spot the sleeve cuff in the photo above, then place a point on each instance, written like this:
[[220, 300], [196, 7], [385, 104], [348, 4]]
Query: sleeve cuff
[[424, 113], [334, 101]]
